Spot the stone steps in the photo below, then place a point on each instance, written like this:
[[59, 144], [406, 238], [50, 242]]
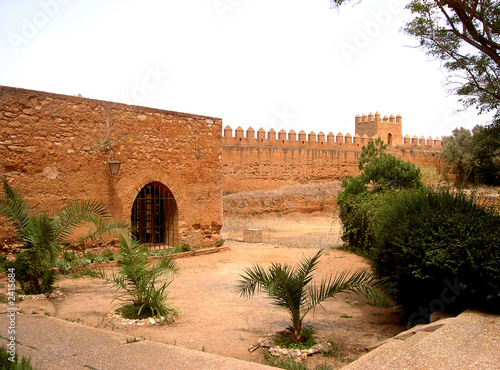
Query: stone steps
[[471, 340]]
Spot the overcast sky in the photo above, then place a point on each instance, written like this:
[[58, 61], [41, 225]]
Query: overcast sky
[[261, 63]]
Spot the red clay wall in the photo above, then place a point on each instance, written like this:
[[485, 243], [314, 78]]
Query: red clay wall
[[269, 160], [51, 149]]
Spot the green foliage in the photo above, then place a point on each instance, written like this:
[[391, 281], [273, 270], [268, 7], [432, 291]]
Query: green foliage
[[34, 275], [388, 172], [364, 196], [183, 248], [381, 171], [108, 254], [474, 156], [3, 262], [426, 238], [144, 287], [463, 36], [372, 150], [289, 288], [487, 154], [284, 363], [459, 153], [69, 256], [7, 364], [358, 215], [43, 235], [285, 339], [90, 256], [420, 240]]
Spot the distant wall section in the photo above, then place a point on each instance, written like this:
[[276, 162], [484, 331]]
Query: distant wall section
[[266, 160]]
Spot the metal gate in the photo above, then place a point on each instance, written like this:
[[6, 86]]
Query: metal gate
[[153, 216]]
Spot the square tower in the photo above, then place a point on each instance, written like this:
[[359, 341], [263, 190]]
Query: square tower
[[389, 129]]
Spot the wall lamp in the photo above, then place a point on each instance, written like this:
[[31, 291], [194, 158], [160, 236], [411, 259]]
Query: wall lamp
[[114, 166]]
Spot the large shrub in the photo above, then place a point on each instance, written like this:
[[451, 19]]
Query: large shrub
[[440, 249], [358, 213], [364, 196]]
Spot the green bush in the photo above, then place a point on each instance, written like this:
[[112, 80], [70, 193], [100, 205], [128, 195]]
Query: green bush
[[64, 266], [90, 256], [108, 254], [358, 214], [439, 246], [69, 256]]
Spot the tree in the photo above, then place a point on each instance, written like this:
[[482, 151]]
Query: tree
[[465, 36], [459, 151], [43, 235], [141, 296], [382, 170], [370, 151], [488, 154], [289, 288]]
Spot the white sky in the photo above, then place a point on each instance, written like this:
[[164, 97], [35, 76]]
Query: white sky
[[261, 63]]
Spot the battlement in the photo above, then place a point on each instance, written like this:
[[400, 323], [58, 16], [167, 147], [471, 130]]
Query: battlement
[[375, 118], [320, 141]]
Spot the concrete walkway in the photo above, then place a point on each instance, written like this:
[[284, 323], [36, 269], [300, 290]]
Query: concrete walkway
[[469, 341], [58, 344]]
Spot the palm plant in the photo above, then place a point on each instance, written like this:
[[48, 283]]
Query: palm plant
[[43, 235], [144, 288], [289, 288]]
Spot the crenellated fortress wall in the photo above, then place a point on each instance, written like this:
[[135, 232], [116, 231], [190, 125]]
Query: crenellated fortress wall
[[265, 160]]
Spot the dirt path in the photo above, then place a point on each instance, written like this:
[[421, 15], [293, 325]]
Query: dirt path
[[215, 319]]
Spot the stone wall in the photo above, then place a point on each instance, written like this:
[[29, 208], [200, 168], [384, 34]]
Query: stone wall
[[267, 160], [52, 149]]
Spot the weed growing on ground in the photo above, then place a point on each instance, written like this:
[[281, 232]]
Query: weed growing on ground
[[285, 338], [7, 364], [284, 363]]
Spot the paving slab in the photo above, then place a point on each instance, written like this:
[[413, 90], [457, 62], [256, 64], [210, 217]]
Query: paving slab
[[53, 343]]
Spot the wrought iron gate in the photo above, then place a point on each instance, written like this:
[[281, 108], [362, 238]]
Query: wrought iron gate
[[153, 216]]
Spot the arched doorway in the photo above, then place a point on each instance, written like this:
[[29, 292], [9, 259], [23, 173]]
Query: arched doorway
[[154, 215], [389, 139]]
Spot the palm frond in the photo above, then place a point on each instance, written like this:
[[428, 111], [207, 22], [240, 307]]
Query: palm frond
[[362, 283], [14, 208], [253, 280], [102, 227], [77, 213], [307, 266], [38, 237]]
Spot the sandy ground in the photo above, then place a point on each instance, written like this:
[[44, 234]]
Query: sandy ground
[[213, 318]]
